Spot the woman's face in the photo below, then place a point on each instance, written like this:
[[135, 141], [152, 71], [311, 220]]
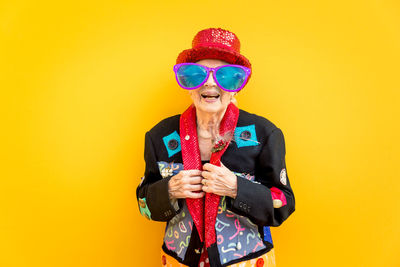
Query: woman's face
[[209, 97]]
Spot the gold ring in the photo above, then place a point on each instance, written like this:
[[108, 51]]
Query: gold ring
[[204, 182]]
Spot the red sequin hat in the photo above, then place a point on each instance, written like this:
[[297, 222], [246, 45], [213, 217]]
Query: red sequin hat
[[215, 43]]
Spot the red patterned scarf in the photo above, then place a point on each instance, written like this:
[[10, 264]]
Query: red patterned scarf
[[204, 210]]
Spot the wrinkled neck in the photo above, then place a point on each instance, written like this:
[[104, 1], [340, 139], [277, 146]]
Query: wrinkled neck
[[208, 123]]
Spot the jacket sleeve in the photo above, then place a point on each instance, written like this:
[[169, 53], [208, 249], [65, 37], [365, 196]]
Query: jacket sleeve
[[152, 193], [256, 200]]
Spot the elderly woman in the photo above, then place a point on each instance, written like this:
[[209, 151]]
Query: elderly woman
[[215, 174]]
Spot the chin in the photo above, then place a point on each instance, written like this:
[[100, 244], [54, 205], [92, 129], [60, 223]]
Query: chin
[[211, 108]]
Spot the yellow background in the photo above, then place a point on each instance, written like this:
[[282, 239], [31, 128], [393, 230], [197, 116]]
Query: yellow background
[[82, 81]]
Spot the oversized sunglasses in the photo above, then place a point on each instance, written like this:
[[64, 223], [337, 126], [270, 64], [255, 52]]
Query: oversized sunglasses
[[231, 78]]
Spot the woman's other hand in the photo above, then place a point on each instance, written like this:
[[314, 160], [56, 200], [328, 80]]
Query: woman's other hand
[[219, 180], [186, 184]]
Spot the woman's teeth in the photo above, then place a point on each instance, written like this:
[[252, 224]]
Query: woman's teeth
[[210, 96]]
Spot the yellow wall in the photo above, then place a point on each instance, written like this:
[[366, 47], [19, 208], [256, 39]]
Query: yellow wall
[[82, 81]]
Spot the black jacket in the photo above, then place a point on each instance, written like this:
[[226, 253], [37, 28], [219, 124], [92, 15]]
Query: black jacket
[[256, 155]]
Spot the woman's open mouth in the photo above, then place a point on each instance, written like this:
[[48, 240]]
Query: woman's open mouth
[[210, 97]]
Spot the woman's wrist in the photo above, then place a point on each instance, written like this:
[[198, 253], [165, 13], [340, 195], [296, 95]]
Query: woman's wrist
[[233, 193], [233, 186], [170, 191]]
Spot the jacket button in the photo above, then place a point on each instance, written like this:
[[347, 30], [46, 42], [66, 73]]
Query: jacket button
[[164, 260], [173, 144], [245, 135], [277, 203], [260, 262]]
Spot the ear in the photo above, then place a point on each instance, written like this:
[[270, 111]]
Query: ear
[[233, 100]]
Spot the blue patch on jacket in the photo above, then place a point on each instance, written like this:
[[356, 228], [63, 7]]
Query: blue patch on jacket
[[172, 143], [246, 136]]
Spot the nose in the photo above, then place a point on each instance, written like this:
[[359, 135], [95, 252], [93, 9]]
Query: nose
[[210, 81]]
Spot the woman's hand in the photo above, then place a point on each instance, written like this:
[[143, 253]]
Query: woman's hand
[[219, 180], [185, 184]]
